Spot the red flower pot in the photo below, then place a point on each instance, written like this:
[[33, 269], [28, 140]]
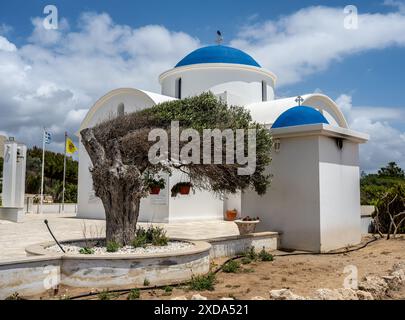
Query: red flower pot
[[154, 190], [230, 215], [184, 190]]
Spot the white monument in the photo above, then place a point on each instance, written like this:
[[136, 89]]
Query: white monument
[[14, 167], [314, 197]]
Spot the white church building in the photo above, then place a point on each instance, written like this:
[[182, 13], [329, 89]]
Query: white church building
[[314, 197]]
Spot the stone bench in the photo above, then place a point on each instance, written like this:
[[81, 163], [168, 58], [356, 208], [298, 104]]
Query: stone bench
[[12, 214]]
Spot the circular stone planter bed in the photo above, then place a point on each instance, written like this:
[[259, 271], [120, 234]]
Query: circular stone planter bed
[[177, 262], [74, 248]]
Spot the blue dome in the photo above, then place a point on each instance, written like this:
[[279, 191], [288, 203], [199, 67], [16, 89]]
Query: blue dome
[[299, 116], [218, 54]]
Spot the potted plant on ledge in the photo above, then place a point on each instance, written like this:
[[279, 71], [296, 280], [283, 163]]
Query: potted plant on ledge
[[230, 215], [155, 185], [247, 225], [181, 187]]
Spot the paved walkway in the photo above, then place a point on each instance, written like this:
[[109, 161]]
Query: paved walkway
[[15, 237]]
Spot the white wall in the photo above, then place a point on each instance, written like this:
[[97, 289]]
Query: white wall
[[14, 167], [339, 194], [291, 205], [198, 205], [245, 82], [9, 174]]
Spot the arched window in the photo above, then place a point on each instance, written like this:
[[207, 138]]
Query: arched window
[[120, 110], [178, 88], [264, 91]]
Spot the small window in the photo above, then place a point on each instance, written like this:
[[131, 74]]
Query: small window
[[178, 88], [277, 145], [264, 91], [120, 110]]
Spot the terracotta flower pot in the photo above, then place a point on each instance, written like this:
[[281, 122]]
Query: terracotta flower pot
[[246, 227], [184, 190], [231, 215], [154, 190]]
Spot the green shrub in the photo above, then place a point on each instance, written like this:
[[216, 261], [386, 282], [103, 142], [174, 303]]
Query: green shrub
[[113, 246], [146, 282], [168, 289], [265, 256], [139, 241], [246, 260], [86, 250], [232, 266], [158, 236], [203, 282], [134, 294], [250, 254], [150, 181], [153, 235], [107, 295]]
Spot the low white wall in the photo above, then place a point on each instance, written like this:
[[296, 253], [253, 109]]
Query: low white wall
[[52, 208], [29, 277], [108, 273], [11, 214], [39, 273], [366, 218], [235, 245]]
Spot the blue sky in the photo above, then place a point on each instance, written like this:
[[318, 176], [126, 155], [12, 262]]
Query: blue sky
[[363, 70]]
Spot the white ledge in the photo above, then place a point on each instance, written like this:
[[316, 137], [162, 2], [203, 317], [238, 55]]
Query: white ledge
[[320, 130]]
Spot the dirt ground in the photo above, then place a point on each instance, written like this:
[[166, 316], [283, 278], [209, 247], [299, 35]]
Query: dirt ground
[[303, 275]]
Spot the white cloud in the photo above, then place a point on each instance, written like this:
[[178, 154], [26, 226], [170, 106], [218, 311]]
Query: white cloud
[[344, 101], [5, 29], [53, 79], [400, 5], [313, 38], [43, 36], [6, 45], [386, 142]]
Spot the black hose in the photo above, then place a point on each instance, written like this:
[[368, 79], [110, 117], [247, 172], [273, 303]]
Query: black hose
[[50, 231], [327, 253], [124, 291]]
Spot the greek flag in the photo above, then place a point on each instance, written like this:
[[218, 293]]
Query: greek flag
[[47, 137]]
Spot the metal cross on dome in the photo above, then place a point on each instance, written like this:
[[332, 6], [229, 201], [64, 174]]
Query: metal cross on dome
[[220, 39], [299, 100]]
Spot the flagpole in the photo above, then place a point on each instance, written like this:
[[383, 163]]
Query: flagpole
[[43, 170], [64, 177]]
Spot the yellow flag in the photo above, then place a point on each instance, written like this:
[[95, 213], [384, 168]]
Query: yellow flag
[[70, 146]]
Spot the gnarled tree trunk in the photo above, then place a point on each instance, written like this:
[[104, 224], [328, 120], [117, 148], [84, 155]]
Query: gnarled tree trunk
[[118, 185]]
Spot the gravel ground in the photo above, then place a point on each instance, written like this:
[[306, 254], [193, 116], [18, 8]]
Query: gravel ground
[[172, 246]]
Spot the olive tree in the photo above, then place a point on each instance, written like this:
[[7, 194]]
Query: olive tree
[[118, 149]]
